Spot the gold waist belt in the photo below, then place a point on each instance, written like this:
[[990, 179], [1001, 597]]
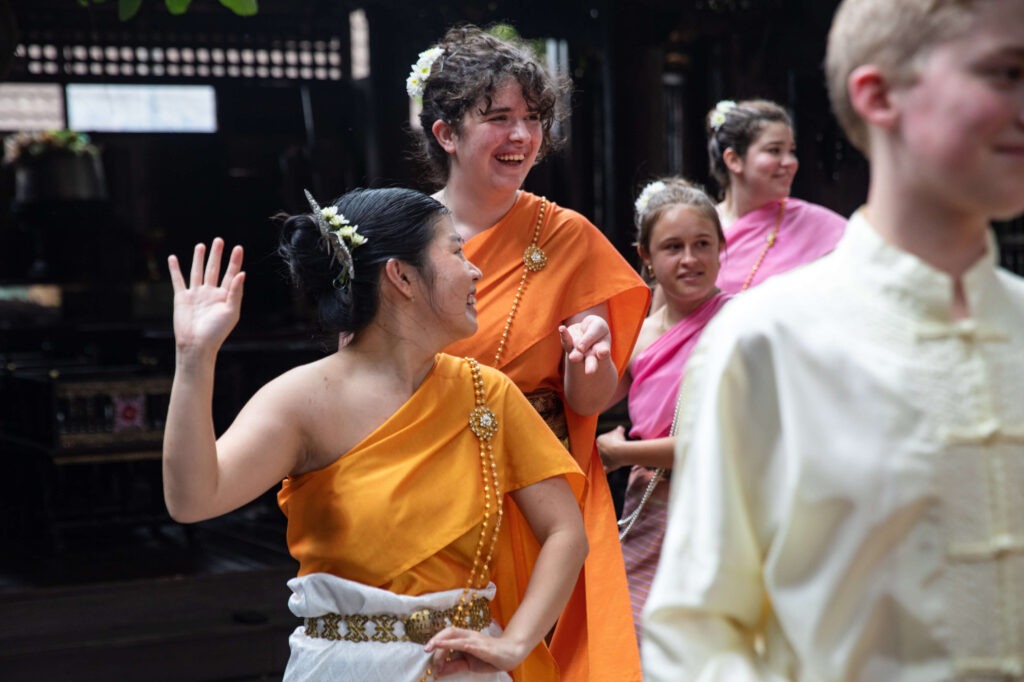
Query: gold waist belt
[[549, 406], [417, 627]]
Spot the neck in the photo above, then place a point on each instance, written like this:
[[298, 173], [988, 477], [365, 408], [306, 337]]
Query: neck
[[738, 203], [675, 311], [474, 211], [400, 354], [950, 241]]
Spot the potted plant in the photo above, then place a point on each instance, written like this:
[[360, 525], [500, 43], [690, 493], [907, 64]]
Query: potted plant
[[54, 165]]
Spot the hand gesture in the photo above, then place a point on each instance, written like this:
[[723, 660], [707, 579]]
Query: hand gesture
[[205, 312], [606, 444], [588, 341], [458, 650]]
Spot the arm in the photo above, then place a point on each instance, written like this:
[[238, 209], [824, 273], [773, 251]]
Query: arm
[[591, 377], [616, 451], [554, 516], [203, 478], [707, 604]]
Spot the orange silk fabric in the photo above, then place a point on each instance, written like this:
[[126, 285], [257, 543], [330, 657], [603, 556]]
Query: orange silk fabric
[[594, 639], [402, 510]]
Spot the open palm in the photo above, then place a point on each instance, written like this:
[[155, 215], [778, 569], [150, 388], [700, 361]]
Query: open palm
[[205, 309]]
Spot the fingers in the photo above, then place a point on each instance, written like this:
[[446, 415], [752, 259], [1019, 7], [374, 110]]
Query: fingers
[[177, 281], [566, 338], [235, 289], [213, 264], [209, 273], [234, 264], [196, 275]]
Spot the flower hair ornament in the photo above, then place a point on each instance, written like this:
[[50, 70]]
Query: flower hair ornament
[[417, 79], [340, 236], [647, 194], [721, 110]]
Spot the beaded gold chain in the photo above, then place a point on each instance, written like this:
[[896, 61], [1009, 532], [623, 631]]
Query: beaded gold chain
[[484, 425], [534, 260], [772, 236]]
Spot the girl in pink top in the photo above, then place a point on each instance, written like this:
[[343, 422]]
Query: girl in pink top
[[752, 156], [679, 241]]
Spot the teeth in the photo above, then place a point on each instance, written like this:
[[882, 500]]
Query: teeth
[[511, 157], [471, 299]]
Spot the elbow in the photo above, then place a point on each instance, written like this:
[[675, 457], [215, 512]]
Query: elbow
[[580, 545], [182, 512]]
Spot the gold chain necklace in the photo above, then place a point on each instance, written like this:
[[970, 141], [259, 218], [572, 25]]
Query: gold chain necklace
[[772, 236], [534, 260], [484, 425]]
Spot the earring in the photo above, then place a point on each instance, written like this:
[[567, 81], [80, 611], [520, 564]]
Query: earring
[[649, 269]]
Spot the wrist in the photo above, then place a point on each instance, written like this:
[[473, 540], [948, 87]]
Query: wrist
[[518, 647]]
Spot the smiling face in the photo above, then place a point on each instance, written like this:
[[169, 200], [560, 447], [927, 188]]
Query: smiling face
[[962, 119], [497, 145], [452, 282], [767, 170], [684, 255]]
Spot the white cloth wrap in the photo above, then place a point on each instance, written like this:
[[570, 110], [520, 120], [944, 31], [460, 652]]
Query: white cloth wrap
[[316, 658]]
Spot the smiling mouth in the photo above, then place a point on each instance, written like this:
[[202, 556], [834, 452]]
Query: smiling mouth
[[511, 158], [471, 299]]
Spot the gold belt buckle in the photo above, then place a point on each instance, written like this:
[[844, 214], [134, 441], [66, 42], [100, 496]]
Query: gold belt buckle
[[421, 625]]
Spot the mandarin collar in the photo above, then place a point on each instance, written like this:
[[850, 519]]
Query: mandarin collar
[[910, 281]]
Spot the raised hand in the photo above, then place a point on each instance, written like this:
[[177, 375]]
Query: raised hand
[[205, 310], [588, 341]]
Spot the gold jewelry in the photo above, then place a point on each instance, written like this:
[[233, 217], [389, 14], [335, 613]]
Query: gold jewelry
[[771, 242], [484, 425], [417, 627], [534, 260]]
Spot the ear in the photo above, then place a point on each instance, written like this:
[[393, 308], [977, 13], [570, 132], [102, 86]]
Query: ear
[[445, 135], [401, 276], [871, 95], [645, 255], [732, 161]]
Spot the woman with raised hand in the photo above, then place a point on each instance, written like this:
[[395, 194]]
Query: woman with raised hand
[[752, 156], [400, 464], [560, 309], [680, 242]]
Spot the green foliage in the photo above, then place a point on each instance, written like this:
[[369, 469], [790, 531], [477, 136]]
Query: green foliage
[[22, 147], [126, 9]]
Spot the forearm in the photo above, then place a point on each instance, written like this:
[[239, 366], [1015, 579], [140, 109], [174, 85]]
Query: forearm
[[190, 469], [589, 394], [655, 452], [551, 583]]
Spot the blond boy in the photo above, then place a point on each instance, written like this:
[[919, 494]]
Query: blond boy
[[850, 496]]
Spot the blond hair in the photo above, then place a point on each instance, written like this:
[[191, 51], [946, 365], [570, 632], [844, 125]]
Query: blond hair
[[894, 35], [673, 191]]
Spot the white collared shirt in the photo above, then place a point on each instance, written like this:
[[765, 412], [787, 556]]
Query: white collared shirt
[[849, 499]]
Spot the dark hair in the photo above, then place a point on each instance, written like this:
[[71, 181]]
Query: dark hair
[[676, 192], [473, 65], [397, 223], [742, 124]]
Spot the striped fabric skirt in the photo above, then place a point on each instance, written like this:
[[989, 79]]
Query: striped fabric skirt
[[641, 547]]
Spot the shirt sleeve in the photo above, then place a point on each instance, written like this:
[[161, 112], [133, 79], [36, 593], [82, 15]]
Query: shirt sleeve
[[708, 602]]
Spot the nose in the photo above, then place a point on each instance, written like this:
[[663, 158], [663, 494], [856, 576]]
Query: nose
[[519, 131], [474, 271]]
